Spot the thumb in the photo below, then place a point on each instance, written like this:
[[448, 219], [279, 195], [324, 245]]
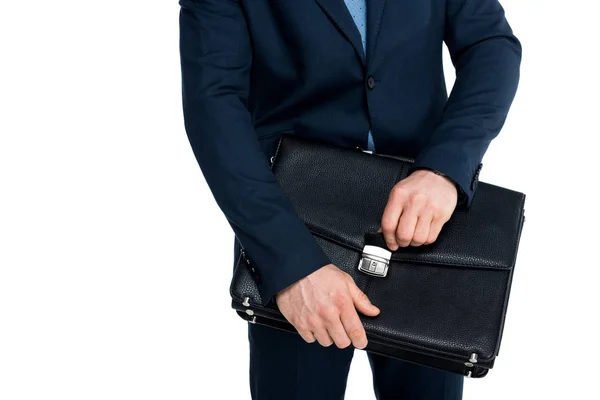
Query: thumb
[[362, 302]]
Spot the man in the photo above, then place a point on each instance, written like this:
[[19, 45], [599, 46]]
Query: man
[[355, 74]]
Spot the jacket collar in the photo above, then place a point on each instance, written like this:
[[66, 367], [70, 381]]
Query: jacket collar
[[340, 16]]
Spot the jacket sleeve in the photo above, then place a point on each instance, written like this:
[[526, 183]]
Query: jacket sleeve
[[487, 58], [216, 56]]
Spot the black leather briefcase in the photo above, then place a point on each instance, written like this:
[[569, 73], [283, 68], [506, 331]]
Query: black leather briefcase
[[442, 305]]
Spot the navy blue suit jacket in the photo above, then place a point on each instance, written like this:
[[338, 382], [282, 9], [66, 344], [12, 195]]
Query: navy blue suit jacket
[[254, 69]]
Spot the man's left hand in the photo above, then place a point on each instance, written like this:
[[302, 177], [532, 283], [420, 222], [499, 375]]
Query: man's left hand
[[417, 208]]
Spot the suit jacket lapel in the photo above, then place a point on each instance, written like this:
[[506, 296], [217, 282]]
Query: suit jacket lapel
[[374, 14], [339, 14]]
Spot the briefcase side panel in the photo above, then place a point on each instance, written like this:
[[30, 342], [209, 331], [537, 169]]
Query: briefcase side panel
[[510, 279]]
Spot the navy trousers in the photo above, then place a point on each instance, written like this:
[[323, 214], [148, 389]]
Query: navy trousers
[[284, 367]]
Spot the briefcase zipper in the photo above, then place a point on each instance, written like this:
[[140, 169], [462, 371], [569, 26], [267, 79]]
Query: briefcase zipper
[[364, 151], [400, 158]]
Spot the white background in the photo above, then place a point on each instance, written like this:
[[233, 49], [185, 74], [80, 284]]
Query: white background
[[106, 223]]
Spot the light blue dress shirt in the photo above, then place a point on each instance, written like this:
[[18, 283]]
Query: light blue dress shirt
[[358, 10]]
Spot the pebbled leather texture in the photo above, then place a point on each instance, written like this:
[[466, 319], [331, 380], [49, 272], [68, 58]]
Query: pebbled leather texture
[[439, 303]]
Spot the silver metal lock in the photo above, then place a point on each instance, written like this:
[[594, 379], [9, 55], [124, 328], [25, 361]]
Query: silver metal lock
[[375, 261]]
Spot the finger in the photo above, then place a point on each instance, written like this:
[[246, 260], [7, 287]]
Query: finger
[[361, 301], [422, 230], [353, 327], [406, 226], [391, 215], [337, 333], [434, 230], [330, 317], [323, 337], [307, 336]]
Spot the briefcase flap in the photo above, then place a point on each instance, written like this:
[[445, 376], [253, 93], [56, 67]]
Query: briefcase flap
[[348, 201]]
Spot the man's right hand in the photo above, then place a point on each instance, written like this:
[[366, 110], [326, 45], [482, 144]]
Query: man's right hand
[[322, 306]]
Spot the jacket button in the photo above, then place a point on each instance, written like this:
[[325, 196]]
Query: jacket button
[[371, 82]]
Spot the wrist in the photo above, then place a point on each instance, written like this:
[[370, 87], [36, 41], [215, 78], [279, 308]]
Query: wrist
[[460, 193]]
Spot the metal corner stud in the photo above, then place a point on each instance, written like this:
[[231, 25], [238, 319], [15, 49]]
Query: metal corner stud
[[249, 311], [473, 358]]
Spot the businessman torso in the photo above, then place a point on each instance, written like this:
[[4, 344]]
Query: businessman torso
[[309, 72], [254, 69]]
